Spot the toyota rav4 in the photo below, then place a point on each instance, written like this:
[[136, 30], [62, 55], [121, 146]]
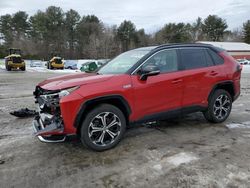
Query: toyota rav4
[[141, 85]]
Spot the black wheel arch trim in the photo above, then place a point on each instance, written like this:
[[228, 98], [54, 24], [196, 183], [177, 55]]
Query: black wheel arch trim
[[222, 83], [88, 102]]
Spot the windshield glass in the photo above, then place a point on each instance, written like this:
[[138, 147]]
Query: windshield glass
[[122, 63]]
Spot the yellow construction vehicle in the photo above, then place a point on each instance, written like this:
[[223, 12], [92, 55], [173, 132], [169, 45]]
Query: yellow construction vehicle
[[55, 62], [14, 60]]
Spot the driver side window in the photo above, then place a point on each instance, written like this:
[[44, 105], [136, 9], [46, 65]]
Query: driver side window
[[165, 60]]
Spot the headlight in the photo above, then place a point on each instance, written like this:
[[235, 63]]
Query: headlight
[[66, 92]]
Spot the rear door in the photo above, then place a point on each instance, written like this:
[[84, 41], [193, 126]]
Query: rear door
[[162, 92], [199, 75]]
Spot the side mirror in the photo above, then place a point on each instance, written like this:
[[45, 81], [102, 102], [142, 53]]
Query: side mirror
[[149, 70]]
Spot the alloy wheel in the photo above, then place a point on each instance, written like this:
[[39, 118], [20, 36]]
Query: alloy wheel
[[222, 107], [104, 128]]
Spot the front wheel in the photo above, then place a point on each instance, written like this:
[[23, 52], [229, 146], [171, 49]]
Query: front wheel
[[103, 127], [219, 106]]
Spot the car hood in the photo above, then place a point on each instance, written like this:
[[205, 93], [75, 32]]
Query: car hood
[[77, 79]]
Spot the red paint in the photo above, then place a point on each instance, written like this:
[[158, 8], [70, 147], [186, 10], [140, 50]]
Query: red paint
[[158, 93]]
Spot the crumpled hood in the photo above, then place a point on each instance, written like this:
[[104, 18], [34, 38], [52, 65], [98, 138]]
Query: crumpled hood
[[77, 79]]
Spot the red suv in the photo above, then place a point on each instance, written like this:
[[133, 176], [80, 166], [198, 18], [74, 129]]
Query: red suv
[[141, 85]]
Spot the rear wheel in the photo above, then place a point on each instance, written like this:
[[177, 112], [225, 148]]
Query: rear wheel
[[103, 127], [219, 106]]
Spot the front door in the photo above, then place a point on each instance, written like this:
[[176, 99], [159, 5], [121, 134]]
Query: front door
[[162, 92]]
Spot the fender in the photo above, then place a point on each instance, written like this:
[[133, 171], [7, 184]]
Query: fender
[[101, 99]]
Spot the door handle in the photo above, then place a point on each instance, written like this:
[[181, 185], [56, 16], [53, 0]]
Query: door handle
[[176, 81], [213, 73]]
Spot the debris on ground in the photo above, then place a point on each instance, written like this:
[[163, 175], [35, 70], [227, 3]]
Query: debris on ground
[[24, 112]]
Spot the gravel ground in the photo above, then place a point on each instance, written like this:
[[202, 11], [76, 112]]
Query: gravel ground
[[187, 152]]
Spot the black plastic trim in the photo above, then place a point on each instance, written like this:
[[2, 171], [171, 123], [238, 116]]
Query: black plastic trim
[[99, 99], [170, 114]]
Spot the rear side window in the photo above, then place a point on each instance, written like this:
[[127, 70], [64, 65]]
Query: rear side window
[[216, 58], [209, 59], [193, 58]]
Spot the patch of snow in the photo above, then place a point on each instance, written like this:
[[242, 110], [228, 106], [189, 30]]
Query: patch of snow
[[157, 167], [181, 158], [239, 104], [157, 164], [243, 125], [238, 176]]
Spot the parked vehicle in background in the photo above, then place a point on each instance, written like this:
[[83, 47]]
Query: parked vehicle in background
[[141, 85], [56, 62], [14, 60], [36, 64], [243, 61], [89, 67], [70, 64]]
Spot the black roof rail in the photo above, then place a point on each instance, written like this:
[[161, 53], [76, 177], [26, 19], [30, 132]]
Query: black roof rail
[[171, 45], [183, 44]]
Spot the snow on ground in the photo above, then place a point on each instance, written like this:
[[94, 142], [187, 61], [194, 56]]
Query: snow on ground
[[246, 69], [44, 69], [243, 125], [181, 158]]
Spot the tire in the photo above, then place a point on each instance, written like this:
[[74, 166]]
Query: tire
[[8, 68], [96, 136], [219, 106], [49, 66], [23, 68]]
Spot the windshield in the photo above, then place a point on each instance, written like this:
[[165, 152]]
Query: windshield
[[122, 63], [58, 61]]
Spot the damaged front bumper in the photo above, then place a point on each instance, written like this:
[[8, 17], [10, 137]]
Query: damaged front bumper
[[40, 128], [48, 124]]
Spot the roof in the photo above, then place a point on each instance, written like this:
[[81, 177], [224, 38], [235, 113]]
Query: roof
[[13, 55], [229, 46], [146, 48]]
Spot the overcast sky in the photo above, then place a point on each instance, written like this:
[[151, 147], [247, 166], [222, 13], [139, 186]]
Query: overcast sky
[[148, 14]]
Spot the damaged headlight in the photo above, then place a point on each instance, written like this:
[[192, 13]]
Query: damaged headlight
[[66, 92]]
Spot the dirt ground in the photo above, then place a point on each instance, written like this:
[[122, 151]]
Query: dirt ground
[[187, 152]]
